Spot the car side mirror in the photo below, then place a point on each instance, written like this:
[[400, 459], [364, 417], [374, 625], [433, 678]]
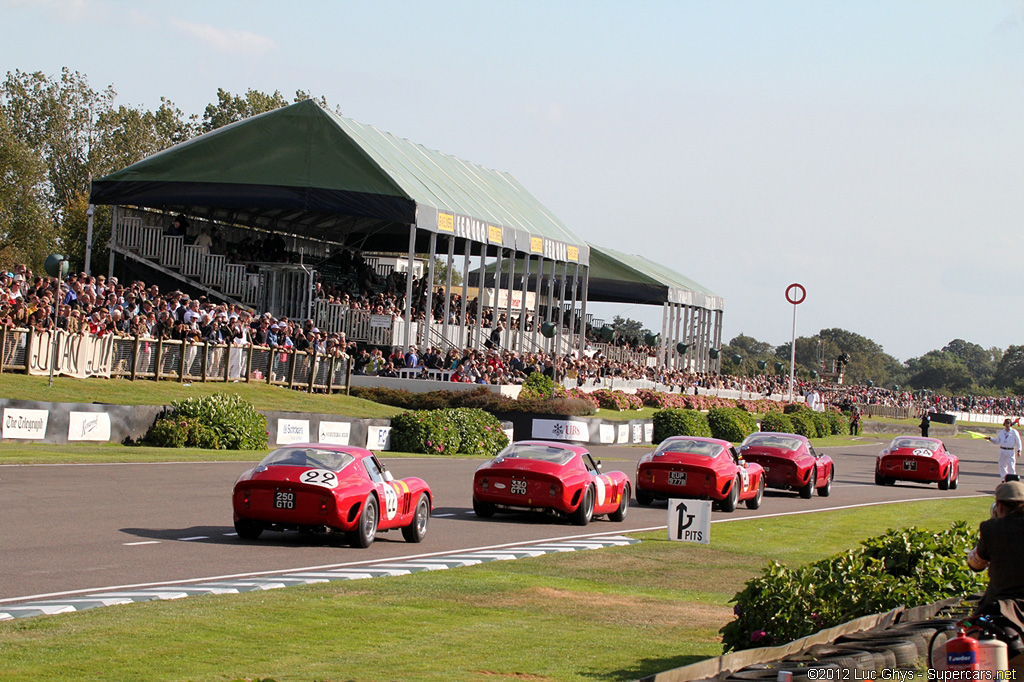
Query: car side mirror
[[598, 465], [388, 477]]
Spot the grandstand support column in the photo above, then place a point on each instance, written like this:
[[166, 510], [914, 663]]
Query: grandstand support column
[[521, 337], [113, 240], [467, 248], [448, 289], [682, 323], [481, 284], [583, 309], [551, 303], [507, 341], [662, 354], [704, 345], [428, 307], [672, 357], [560, 319], [572, 310], [718, 338], [497, 286], [688, 322], [536, 301], [407, 340], [698, 338]]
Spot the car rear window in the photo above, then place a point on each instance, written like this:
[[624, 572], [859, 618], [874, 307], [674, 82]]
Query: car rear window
[[763, 441], [914, 443], [690, 447], [308, 457], [544, 453]]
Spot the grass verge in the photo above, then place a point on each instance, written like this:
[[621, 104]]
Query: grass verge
[[616, 615]]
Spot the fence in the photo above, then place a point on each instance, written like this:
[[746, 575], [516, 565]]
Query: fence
[[30, 352]]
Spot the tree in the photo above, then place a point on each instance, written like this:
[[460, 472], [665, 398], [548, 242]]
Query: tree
[[980, 363], [1010, 371], [441, 273], [26, 230], [937, 370], [629, 329]]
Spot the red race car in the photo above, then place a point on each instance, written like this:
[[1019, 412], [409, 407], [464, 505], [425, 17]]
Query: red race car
[[329, 489], [790, 463], [918, 459], [554, 478], [705, 468]]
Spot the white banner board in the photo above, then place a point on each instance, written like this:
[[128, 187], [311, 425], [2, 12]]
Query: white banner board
[[378, 437], [27, 424], [292, 431], [689, 521], [89, 426], [335, 433], [561, 429]]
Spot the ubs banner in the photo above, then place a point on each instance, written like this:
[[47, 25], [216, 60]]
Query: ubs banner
[[78, 355]]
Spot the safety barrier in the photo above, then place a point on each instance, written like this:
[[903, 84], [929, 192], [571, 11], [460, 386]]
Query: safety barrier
[[173, 360]]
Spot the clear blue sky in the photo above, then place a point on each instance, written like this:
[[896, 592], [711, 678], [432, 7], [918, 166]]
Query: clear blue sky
[[872, 150]]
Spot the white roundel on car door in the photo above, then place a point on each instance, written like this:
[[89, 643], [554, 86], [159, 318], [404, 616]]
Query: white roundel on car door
[[390, 501]]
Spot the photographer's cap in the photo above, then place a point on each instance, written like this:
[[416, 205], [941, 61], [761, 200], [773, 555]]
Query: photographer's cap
[[1011, 491]]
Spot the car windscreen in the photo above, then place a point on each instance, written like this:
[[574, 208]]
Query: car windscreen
[[690, 447], [308, 457], [765, 441], [544, 453], [914, 443]]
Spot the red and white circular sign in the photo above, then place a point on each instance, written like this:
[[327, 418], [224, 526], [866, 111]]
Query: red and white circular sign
[[795, 293]]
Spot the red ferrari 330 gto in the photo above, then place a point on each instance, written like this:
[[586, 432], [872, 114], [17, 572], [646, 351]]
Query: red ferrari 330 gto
[[329, 489], [555, 478], [917, 459], [790, 463], [705, 468]]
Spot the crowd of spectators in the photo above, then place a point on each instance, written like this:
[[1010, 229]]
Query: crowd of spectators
[[99, 305]]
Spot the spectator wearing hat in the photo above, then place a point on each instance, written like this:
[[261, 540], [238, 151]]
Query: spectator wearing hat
[[1008, 441], [1001, 551]]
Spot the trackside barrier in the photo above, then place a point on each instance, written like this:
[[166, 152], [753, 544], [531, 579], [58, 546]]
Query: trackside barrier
[[174, 360]]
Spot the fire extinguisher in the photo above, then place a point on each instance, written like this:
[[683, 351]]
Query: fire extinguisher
[[962, 652]]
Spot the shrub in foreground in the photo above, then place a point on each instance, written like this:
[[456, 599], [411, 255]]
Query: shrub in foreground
[[676, 422], [222, 421], [447, 432], [902, 567], [731, 423]]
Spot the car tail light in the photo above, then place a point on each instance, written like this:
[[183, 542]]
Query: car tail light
[[246, 494], [553, 491], [707, 479], [324, 503], [484, 484]]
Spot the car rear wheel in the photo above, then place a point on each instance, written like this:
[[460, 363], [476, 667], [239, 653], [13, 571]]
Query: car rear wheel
[[826, 490], [585, 511], [729, 503], [944, 483], [755, 501], [808, 489], [484, 510], [620, 513], [417, 530], [643, 497], [366, 532], [956, 480], [248, 530]]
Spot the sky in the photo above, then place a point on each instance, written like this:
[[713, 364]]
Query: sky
[[870, 150]]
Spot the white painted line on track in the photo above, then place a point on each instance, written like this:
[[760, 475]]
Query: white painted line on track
[[195, 537], [144, 542]]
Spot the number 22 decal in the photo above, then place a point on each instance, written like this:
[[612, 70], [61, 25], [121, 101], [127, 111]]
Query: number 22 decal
[[320, 477]]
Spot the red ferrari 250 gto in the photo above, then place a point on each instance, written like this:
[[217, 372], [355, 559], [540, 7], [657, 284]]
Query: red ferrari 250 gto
[[790, 463], [555, 478], [917, 459], [329, 489], [705, 468]]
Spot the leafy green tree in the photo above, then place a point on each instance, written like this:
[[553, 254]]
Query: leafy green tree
[[628, 328], [1010, 370], [938, 370], [26, 230], [980, 363]]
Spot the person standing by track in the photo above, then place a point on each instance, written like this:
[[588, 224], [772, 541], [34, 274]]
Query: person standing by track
[[1008, 441]]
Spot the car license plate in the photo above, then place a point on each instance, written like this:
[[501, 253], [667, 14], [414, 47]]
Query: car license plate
[[909, 465], [283, 500], [677, 478], [518, 487]]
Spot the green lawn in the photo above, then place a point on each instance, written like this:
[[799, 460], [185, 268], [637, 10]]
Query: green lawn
[[616, 614]]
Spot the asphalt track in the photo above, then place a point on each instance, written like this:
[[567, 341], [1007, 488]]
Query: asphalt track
[[77, 528]]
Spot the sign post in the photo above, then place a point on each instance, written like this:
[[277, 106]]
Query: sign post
[[795, 294], [689, 521]]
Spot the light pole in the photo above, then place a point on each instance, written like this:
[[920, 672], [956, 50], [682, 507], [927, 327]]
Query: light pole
[[795, 294]]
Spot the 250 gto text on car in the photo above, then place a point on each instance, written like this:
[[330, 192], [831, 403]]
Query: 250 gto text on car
[[554, 478], [704, 468], [321, 488], [790, 463], [917, 459]]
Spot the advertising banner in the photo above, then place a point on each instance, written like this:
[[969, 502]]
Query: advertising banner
[[89, 426], [27, 424]]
